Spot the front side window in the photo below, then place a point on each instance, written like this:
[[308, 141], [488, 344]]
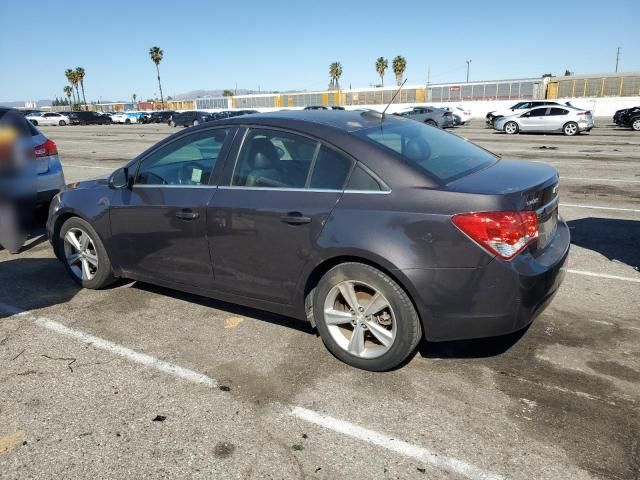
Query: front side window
[[274, 159], [187, 161], [538, 112], [442, 155]]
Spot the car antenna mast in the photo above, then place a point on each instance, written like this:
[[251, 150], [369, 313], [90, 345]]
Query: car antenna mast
[[393, 98]]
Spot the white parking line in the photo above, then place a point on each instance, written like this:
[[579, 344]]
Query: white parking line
[[340, 426], [621, 180], [93, 167], [393, 444], [602, 275], [596, 207]]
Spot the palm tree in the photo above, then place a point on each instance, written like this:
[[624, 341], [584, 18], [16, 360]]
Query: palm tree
[[156, 57], [80, 73], [70, 74], [381, 66], [335, 72], [68, 91], [399, 66]]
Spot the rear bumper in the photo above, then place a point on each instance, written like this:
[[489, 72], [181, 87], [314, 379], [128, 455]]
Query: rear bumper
[[499, 298]]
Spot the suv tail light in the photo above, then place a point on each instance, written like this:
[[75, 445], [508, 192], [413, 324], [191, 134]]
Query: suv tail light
[[47, 149], [501, 233]]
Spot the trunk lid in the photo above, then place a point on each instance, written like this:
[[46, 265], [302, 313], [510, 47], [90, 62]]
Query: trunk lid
[[518, 186]]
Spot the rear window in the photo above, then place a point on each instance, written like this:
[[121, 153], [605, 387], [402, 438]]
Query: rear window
[[442, 155]]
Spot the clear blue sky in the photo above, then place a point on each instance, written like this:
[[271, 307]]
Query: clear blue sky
[[280, 45]]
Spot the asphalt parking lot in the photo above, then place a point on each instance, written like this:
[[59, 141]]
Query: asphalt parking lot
[[139, 381]]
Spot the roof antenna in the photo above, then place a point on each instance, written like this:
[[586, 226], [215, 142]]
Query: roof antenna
[[393, 98]]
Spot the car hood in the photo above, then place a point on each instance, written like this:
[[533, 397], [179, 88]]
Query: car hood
[[101, 181]]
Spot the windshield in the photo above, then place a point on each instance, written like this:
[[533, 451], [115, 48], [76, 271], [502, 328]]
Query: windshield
[[442, 155]]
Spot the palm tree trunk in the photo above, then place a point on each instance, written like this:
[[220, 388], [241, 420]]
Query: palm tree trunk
[[83, 97], [78, 93], [160, 86]]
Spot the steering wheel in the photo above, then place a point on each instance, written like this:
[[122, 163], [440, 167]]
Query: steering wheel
[[185, 173]]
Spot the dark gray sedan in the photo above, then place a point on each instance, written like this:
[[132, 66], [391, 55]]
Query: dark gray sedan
[[436, 117], [379, 231]]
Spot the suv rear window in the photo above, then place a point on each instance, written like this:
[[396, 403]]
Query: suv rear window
[[442, 155]]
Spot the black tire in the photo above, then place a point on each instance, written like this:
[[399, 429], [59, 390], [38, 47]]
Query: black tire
[[104, 274], [34, 122], [62, 123], [127, 121], [431, 122], [513, 128], [408, 328], [635, 124]]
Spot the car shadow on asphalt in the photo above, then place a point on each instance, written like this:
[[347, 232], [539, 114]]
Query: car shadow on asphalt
[[34, 283], [618, 240], [231, 308]]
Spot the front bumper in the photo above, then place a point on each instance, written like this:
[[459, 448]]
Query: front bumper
[[499, 298]]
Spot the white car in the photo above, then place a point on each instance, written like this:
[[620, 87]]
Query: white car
[[48, 118], [458, 111], [547, 119]]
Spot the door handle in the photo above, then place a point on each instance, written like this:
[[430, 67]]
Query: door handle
[[295, 218], [187, 215]]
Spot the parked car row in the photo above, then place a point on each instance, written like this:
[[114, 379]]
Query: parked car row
[[196, 117], [628, 117]]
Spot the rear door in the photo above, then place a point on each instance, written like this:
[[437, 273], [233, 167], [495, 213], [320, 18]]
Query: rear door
[[533, 121], [556, 118], [158, 225], [264, 223]]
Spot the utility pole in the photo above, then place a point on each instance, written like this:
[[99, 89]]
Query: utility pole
[[617, 58], [428, 75], [468, 62]]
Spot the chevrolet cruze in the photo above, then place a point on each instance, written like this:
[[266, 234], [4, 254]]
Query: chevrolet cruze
[[378, 230]]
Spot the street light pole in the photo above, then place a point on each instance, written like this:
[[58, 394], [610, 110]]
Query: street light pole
[[468, 62]]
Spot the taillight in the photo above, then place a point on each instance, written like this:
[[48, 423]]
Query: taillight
[[502, 233], [47, 149]]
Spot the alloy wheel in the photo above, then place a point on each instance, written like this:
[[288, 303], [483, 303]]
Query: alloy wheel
[[360, 319], [81, 254], [636, 124], [511, 128], [570, 129]]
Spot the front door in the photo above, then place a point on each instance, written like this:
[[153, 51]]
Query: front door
[[264, 224], [158, 225]]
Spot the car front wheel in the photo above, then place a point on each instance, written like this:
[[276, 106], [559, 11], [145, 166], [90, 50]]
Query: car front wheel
[[62, 123], [636, 124], [365, 318], [511, 128], [84, 255]]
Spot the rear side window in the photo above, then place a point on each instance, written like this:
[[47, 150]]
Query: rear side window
[[361, 180], [330, 170], [442, 155], [558, 111]]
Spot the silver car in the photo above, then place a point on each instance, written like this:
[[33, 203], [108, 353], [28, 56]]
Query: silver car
[[50, 178], [435, 117], [549, 119]]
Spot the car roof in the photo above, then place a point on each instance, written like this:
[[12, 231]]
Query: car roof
[[349, 121]]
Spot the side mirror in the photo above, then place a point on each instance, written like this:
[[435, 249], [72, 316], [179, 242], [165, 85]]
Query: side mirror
[[119, 178]]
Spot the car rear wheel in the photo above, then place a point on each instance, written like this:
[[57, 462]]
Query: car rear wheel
[[431, 122], [34, 122], [511, 128], [127, 121], [84, 255], [62, 123], [365, 318], [570, 129], [636, 124]]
